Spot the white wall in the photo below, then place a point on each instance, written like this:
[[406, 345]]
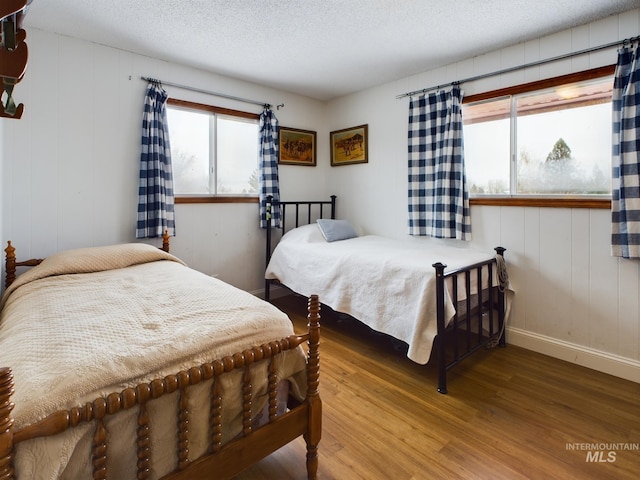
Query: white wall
[[573, 300], [71, 163]]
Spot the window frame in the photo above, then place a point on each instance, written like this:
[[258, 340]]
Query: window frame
[[564, 201], [203, 198]]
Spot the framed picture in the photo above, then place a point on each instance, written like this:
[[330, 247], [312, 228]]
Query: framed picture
[[349, 146], [296, 147]]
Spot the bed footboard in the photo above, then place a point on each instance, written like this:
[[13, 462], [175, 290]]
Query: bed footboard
[[223, 459], [6, 424], [481, 322]]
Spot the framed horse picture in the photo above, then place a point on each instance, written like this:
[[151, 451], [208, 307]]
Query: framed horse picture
[[296, 147], [349, 146]]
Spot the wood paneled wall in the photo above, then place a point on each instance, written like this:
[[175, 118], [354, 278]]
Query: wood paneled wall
[[70, 165], [573, 300]]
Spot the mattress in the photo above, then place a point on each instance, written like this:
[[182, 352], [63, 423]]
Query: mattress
[[388, 284]]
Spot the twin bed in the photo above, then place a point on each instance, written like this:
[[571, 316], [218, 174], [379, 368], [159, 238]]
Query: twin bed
[[444, 300], [125, 363]]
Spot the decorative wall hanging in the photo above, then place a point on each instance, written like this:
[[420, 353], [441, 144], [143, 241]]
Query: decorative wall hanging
[[296, 147], [13, 54], [349, 146]]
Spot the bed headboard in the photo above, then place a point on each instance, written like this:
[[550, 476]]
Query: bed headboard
[[300, 213], [11, 264], [302, 207]]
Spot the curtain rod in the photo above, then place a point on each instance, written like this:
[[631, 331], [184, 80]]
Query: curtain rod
[[520, 67], [193, 89]]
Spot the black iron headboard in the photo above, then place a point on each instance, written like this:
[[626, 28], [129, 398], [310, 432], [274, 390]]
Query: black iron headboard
[[305, 212]]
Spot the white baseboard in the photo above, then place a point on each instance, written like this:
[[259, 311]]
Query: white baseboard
[[611, 364]]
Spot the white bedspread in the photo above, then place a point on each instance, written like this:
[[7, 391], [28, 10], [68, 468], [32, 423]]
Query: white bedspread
[[135, 313], [387, 284]]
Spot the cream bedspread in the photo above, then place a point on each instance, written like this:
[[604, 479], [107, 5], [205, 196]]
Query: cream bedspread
[[387, 284], [131, 314]]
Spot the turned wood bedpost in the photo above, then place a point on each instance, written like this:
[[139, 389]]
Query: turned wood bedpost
[[165, 241], [6, 424], [440, 340], [10, 264], [314, 431]]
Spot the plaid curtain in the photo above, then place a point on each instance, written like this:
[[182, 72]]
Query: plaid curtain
[[625, 191], [438, 195], [155, 192], [268, 156]]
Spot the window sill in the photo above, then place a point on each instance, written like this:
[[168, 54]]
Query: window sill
[[217, 199], [545, 202]]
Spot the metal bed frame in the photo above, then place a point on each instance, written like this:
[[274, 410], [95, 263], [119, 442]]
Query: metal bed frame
[[464, 334]]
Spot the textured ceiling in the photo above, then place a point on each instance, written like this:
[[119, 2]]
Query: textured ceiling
[[319, 48]]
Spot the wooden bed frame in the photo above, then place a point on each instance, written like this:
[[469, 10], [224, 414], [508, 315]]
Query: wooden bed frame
[[464, 334], [223, 461]]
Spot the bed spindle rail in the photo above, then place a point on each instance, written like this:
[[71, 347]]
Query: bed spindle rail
[[143, 440], [99, 445], [215, 416], [184, 416], [247, 400], [272, 389]]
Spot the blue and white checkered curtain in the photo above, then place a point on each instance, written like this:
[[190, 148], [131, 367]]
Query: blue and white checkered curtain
[[625, 191], [155, 192], [438, 195], [268, 157]]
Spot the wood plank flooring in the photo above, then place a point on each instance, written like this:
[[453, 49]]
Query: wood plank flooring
[[510, 414]]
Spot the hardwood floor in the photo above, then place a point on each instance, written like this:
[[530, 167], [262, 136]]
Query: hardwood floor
[[510, 414]]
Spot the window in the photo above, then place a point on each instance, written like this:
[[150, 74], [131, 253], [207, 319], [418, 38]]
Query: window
[[214, 151], [550, 138]]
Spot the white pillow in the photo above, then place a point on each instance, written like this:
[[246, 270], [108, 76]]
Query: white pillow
[[303, 234], [334, 230]]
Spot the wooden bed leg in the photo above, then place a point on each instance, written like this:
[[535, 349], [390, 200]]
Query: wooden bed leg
[[314, 430], [6, 424]]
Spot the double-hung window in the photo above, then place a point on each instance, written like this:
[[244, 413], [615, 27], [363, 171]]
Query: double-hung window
[[549, 138], [214, 152]]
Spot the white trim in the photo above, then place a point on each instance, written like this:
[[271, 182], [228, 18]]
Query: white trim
[[609, 363]]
